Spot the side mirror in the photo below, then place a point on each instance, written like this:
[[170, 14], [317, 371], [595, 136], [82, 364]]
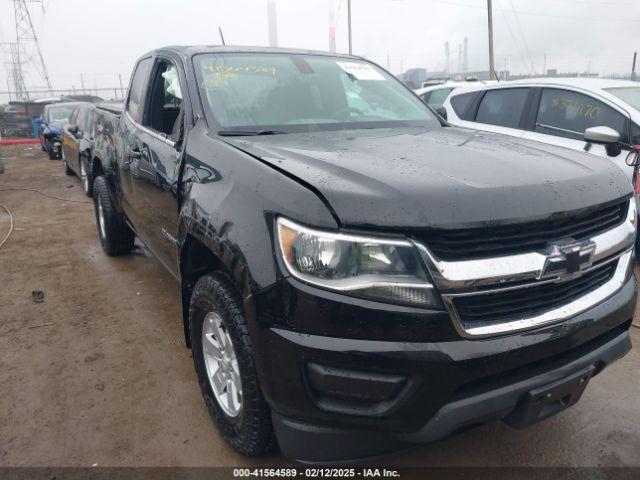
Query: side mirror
[[441, 111], [601, 135], [73, 129], [606, 136]]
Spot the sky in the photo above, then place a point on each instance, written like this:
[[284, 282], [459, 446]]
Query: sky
[[91, 42]]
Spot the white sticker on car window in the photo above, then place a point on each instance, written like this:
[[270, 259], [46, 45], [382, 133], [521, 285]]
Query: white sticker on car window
[[360, 70]]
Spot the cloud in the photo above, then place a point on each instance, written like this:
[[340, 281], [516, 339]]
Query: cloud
[[101, 40]]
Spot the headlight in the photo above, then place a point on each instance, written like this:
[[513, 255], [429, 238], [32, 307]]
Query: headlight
[[380, 269]]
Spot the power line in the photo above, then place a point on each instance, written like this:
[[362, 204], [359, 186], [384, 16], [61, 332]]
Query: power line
[[513, 37], [524, 41], [547, 15]]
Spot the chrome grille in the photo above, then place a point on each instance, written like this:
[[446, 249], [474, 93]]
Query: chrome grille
[[501, 240]]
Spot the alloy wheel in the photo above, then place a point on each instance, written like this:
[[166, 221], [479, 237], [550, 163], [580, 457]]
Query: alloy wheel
[[223, 371]]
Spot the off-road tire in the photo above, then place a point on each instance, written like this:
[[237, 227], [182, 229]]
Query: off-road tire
[[251, 432], [117, 238]]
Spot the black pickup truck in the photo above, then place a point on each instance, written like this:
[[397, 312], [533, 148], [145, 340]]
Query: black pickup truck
[[358, 276]]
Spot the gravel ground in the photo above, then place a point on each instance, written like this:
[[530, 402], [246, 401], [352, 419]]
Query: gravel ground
[[98, 372]]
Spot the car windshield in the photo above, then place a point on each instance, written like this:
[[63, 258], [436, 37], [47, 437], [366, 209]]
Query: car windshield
[[281, 93], [631, 95], [60, 114]]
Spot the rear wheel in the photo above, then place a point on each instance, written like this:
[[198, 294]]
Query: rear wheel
[[225, 366], [115, 235]]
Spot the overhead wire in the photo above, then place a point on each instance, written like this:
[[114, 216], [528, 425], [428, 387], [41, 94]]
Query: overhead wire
[[513, 37], [524, 41]]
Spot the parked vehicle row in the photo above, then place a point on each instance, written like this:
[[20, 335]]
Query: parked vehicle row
[[54, 119], [357, 275], [23, 118]]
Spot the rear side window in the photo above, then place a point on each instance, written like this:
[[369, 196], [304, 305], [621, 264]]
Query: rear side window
[[437, 97], [502, 107], [461, 102], [136, 91], [564, 113]]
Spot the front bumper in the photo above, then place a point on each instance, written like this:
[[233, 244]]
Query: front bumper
[[448, 384]]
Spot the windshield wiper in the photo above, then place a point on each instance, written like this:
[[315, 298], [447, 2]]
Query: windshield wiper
[[240, 133]]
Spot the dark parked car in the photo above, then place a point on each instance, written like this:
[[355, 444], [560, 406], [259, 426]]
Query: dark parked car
[[77, 144], [54, 118], [357, 276]]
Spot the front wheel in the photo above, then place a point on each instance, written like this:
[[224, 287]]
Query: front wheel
[[225, 366], [115, 235]]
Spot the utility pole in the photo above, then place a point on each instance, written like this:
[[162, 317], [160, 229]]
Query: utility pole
[[492, 74], [448, 56], [633, 67], [544, 66], [121, 87], [349, 24], [221, 36], [82, 84], [388, 68]]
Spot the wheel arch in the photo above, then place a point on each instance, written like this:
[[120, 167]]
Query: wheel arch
[[196, 260]]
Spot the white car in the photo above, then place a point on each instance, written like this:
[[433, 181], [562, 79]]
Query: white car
[[435, 95], [556, 111]]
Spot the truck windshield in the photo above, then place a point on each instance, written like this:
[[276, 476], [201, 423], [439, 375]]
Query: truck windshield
[[247, 93]]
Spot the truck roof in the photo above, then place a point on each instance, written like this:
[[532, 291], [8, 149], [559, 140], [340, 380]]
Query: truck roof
[[191, 50]]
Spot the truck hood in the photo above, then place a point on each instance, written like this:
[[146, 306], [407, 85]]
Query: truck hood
[[439, 178]]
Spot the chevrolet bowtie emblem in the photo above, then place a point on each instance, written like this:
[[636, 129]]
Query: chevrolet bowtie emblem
[[567, 260]]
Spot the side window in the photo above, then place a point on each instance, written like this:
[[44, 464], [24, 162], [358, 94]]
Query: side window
[[635, 134], [568, 114], [461, 102], [136, 91], [437, 97], [91, 123], [502, 107], [82, 118], [164, 110]]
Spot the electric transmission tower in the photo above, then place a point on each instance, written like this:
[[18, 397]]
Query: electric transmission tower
[[26, 49]]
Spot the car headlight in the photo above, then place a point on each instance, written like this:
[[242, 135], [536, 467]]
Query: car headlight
[[380, 269]]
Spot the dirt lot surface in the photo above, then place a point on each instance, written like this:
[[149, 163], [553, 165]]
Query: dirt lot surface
[[98, 372]]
